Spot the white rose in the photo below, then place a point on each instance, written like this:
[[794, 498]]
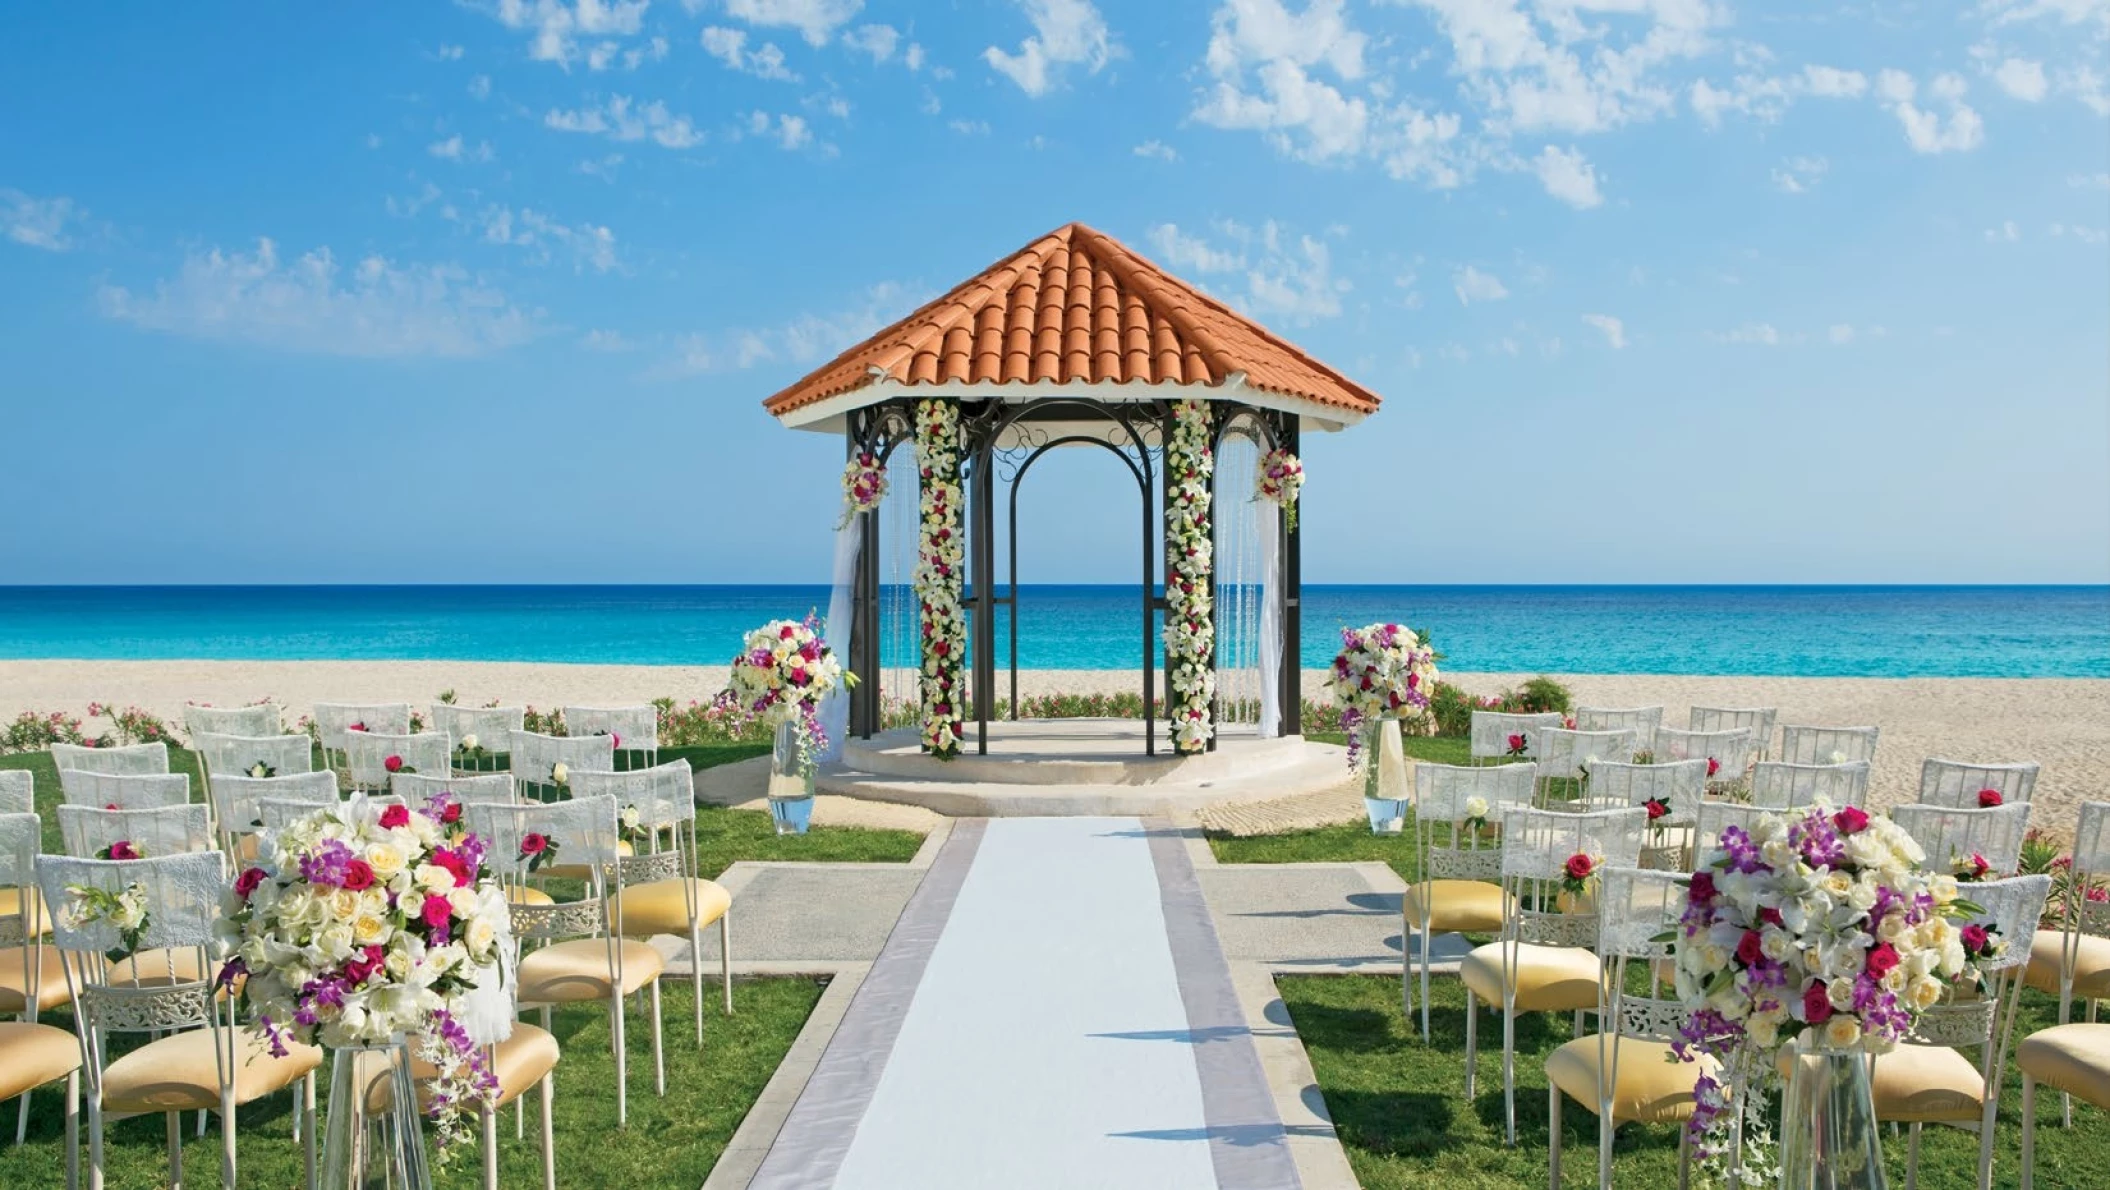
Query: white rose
[[1476, 807], [369, 930], [560, 773], [1842, 1031], [469, 741], [1840, 991], [1924, 992], [412, 904], [480, 937], [433, 878], [386, 859]]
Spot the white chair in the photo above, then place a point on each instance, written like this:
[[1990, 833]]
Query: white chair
[[199, 1059], [372, 758], [18, 791], [1713, 818], [418, 788], [235, 802], [1460, 890], [1542, 961], [1956, 783], [1677, 786], [637, 727], [1642, 721], [1928, 1080], [1827, 745], [2073, 1059], [130, 760], [1565, 755], [2073, 963], [253, 720], [480, 734], [1758, 721], [254, 755], [112, 791], [1950, 837], [30, 982], [165, 830], [1730, 750], [31, 1054], [336, 721], [1493, 734], [275, 813], [1626, 1071], [1778, 785], [536, 756]]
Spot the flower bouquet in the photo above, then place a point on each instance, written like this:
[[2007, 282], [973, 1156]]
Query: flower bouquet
[[864, 486], [1383, 671], [781, 677], [1281, 476]]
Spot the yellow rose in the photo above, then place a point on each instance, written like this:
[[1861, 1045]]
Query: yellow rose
[[368, 930], [1842, 1031], [386, 859]]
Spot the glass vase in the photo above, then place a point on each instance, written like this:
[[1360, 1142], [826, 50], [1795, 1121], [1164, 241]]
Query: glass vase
[[1828, 1134], [791, 782], [373, 1133]]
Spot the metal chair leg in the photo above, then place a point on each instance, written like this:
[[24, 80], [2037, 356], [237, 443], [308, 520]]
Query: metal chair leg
[[73, 1131], [549, 1136], [1553, 1135], [725, 956], [696, 976], [622, 1060], [1472, 1042], [2029, 1131], [659, 1053]]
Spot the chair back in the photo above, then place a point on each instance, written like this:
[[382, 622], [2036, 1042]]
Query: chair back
[[1956, 783], [1714, 817], [1778, 785], [334, 721], [652, 807], [132, 759], [1678, 784], [536, 756], [1985, 1022], [1731, 749], [113, 791], [638, 726], [1566, 754], [2082, 916], [418, 788], [274, 814], [163, 830], [1758, 721], [1954, 838], [236, 800], [1536, 848], [1491, 731], [1642, 721], [254, 755], [480, 734], [257, 719], [581, 831], [1636, 908], [18, 791], [373, 757], [1827, 745], [21, 836], [1443, 793]]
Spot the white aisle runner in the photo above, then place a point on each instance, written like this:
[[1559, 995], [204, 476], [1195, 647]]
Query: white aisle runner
[[1053, 1010]]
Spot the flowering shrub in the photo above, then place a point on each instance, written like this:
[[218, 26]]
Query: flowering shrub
[[133, 726], [937, 577], [541, 723], [1383, 671], [37, 731], [1453, 707], [1190, 611]]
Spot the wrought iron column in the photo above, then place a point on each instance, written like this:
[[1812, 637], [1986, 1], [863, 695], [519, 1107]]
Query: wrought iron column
[[981, 507], [1291, 542]]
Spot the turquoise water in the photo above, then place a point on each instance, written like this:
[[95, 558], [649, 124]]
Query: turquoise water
[[1809, 631]]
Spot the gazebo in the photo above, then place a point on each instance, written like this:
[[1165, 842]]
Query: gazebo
[[1074, 340]]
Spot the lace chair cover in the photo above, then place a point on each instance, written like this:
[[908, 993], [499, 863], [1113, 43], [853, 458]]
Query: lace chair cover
[[2012, 908], [639, 726], [1731, 749], [1956, 783], [1949, 835], [418, 788], [1827, 745], [235, 800], [1441, 792], [167, 830], [1638, 906], [1563, 753], [18, 792], [1642, 721], [1712, 817], [1756, 720], [103, 790], [2091, 863], [1778, 785], [20, 837], [535, 755], [663, 794], [260, 719], [334, 719], [366, 754], [182, 895], [1490, 732], [582, 829], [1537, 844], [275, 814], [1679, 784], [237, 755], [133, 759]]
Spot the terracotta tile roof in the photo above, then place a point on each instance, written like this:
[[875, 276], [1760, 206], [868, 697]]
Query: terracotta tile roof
[[1077, 306]]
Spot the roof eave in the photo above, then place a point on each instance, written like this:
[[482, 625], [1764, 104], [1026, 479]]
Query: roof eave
[[826, 415]]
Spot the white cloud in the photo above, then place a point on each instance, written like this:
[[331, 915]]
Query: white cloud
[[2066, 12], [912, 57], [807, 339], [1157, 149], [1280, 274], [1841, 333], [1797, 175], [38, 222], [602, 167], [2022, 79], [1065, 32], [2084, 84], [1567, 176], [2006, 233], [1613, 329], [374, 308], [969, 127], [588, 246], [480, 87], [814, 19], [730, 47], [1829, 82], [1472, 285], [604, 340], [790, 132], [555, 28], [876, 40], [455, 149], [449, 53], [1264, 31], [1765, 334], [2094, 181], [1191, 253], [623, 120], [1925, 130]]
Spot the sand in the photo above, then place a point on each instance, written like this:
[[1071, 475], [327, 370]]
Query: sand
[[2062, 723]]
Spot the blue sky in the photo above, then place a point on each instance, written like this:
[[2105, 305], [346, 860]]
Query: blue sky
[[1655, 290]]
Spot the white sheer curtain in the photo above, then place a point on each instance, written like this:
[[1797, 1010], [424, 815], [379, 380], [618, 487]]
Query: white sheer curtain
[[1266, 521], [835, 708]]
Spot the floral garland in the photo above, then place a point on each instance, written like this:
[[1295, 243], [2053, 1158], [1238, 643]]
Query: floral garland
[[1281, 476], [937, 577], [1383, 671], [1190, 606], [864, 486]]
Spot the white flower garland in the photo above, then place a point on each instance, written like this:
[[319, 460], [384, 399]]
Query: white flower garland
[[1190, 612], [1280, 477], [938, 578], [864, 486]]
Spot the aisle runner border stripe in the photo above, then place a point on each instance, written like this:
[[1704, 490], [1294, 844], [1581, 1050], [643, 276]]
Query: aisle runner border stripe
[[809, 1149]]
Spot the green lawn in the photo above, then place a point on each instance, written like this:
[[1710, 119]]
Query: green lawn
[[1401, 1110], [670, 1143]]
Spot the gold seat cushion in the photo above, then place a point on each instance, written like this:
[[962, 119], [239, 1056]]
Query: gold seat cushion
[[1650, 1089], [578, 970], [160, 968], [1548, 978], [14, 978], [2091, 968], [32, 1055], [564, 871], [1926, 1084], [1458, 906], [662, 907], [2070, 1058], [522, 1060], [11, 906], [522, 894], [180, 1073]]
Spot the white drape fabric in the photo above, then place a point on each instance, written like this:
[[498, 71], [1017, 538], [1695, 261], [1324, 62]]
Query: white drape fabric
[[835, 706], [1393, 781], [1271, 717]]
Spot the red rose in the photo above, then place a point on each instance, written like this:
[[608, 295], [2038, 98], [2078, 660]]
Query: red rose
[[615, 740], [1657, 808], [1749, 950], [1882, 959], [451, 813], [1701, 891], [1975, 939], [393, 764], [1851, 821], [360, 726], [248, 882], [123, 849], [436, 912], [109, 805], [1979, 866], [1516, 743], [1988, 798], [1580, 867], [533, 844], [1770, 916], [394, 816], [358, 875], [1816, 1006], [1713, 766], [453, 862]]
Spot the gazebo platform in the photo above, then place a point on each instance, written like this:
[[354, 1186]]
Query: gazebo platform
[[1061, 767]]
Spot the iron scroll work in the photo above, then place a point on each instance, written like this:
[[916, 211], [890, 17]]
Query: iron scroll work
[[1002, 442]]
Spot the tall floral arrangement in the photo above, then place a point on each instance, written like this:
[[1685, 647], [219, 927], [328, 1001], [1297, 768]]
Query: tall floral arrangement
[[784, 670], [937, 576], [1280, 477], [1190, 603], [1383, 671], [864, 485], [365, 922], [1819, 922]]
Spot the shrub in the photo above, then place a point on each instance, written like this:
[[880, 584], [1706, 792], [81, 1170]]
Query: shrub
[[1541, 694], [34, 731]]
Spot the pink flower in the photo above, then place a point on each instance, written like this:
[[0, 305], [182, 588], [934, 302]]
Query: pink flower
[[436, 912], [358, 876], [1882, 959], [1580, 866], [394, 816], [248, 882], [533, 844], [123, 849], [393, 764], [1851, 821], [1816, 1006], [1988, 798], [1749, 949], [1657, 808], [359, 726], [615, 740], [1713, 766], [1975, 939]]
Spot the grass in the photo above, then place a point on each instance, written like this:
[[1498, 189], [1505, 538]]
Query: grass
[[670, 1143], [1401, 1110]]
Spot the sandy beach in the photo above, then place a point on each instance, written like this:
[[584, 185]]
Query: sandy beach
[[2062, 723]]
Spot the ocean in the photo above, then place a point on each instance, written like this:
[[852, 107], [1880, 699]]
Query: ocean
[[1793, 631]]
